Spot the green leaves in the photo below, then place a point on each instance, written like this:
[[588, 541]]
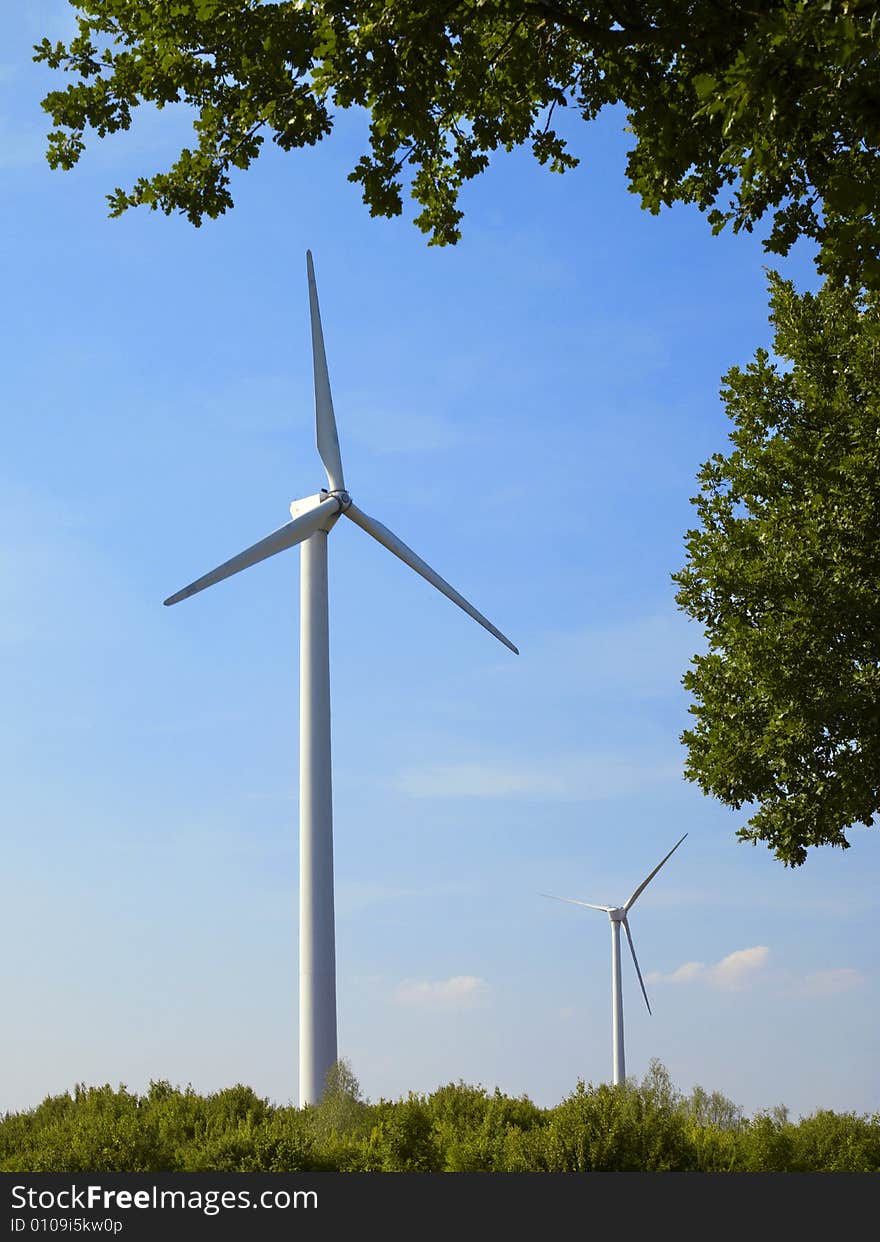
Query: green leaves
[[782, 572], [705, 84], [774, 105], [646, 1126], [239, 63]]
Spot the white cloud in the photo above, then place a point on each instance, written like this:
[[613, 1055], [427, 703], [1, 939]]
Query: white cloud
[[586, 778], [458, 992], [731, 974], [745, 966]]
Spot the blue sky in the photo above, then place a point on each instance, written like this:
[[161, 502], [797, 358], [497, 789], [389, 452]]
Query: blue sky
[[528, 411]]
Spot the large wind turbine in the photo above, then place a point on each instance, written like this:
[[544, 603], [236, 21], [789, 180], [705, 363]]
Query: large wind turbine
[[312, 520], [617, 915]]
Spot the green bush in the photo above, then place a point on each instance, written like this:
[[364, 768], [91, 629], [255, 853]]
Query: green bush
[[404, 1138], [480, 1133], [638, 1126], [626, 1128], [837, 1143]]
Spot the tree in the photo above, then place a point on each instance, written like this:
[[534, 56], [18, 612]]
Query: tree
[[629, 1127], [783, 572], [342, 1108], [741, 108], [713, 1109]]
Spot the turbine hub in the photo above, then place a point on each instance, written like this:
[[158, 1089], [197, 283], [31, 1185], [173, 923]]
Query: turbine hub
[[340, 494], [306, 503], [617, 915]]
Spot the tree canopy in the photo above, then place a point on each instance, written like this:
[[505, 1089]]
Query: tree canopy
[[742, 108], [783, 573]]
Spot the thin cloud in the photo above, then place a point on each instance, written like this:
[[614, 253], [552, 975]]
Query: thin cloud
[[731, 974], [574, 779], [353, 896], [391, 430], [829, 982], [21, 145], [641, 659], [458, 992]]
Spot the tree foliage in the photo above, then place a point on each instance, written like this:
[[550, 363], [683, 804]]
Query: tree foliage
[[646, 1125], [741, 108], [783, 572], [341, 1109]]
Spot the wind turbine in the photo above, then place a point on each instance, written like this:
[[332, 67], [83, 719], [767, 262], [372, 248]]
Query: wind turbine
[[617, 916], [312, 520]]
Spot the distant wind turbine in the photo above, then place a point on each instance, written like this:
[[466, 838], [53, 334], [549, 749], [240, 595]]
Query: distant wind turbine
[[313, 518], [617, 915]]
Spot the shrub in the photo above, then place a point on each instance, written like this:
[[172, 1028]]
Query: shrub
[[646, 1126]]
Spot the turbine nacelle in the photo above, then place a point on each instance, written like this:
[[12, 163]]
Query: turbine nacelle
[[307, 504], [617, 914]]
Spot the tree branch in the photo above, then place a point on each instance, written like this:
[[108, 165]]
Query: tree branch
[[592, 33]]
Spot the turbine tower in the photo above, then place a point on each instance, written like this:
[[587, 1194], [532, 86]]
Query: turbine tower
[[617, 916], [312, 520]]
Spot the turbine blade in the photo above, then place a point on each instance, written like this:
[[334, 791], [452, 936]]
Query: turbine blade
[[632, 950], [572, 901], [285, 537], [390, 541], [644, 884], [325, 420]]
